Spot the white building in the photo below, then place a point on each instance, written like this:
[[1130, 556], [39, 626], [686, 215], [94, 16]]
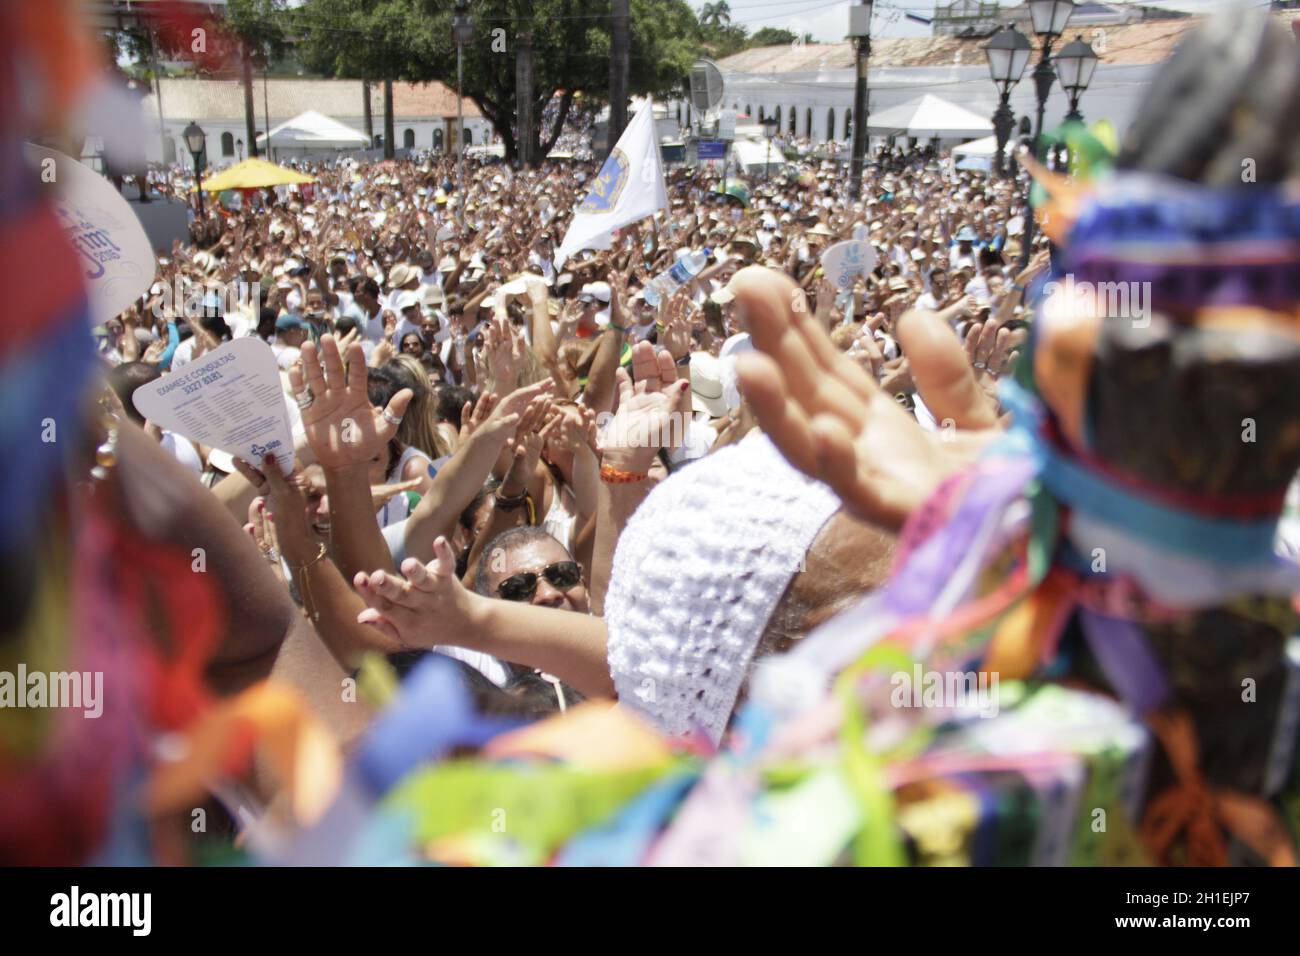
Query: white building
[[424, 116], [809, 88]]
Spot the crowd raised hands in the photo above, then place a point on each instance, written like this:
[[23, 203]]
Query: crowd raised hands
[[567, 398]]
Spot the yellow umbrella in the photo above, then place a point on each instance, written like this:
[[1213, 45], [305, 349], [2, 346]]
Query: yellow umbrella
[[254, 174]]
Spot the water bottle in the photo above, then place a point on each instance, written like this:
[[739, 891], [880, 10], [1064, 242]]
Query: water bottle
[[677, 275]]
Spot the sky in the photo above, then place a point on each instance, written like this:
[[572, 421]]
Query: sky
[[828, 20]]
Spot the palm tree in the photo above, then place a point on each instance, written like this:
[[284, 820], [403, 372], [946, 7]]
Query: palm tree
[[715, 14]]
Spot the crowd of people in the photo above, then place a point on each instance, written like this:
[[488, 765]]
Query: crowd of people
[[703, 474], [519, 416]]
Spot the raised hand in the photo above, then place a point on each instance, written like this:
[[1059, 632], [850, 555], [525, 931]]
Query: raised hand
[[642, 423], [429, 607], [505, 349], [1037, 264], [341, 425], [382, 352], [346, 341], [676, 333], [831, 420], [535, 425], [507, 411], [278, 516], [261, 528], [472, 417]]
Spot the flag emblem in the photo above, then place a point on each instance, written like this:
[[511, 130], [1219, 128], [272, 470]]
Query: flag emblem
[[609, 184]]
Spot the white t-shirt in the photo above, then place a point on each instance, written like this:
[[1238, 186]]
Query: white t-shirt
[[285, 355], [184, 353], [183, 450]]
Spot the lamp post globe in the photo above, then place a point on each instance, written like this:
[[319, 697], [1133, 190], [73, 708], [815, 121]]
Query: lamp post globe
[[196, 142]]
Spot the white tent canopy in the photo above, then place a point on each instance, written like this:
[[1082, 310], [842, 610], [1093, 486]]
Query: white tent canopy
[[312, 130], [927, 117], [758, 159], [977, 147]]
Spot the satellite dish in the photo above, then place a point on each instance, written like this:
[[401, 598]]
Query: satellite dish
[[706, 85]]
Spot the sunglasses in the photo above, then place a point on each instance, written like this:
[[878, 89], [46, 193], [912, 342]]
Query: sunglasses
[[522, 586]]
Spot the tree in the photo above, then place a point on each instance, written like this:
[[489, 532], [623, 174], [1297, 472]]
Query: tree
[[258, 28], [715, 14], [360, 39], [772, 36], [411, 40], [376, 40]]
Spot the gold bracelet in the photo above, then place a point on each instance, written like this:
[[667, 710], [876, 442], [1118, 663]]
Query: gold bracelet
[[304, 585]]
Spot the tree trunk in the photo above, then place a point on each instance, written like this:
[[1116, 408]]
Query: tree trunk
[[501, 122], [544, 148], [388, 119], [526, 128], [370, 119], [619, 48], [250, 115]]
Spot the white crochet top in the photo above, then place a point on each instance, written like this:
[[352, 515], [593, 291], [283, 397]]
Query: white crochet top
[[697, 572]]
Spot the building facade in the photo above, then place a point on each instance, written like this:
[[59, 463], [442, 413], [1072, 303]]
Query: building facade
[[809, 88], [424, 116]]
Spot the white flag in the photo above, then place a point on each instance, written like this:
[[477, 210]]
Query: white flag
[[630, 186]]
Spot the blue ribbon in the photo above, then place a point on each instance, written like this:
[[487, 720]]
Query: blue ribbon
[[1221, 540]]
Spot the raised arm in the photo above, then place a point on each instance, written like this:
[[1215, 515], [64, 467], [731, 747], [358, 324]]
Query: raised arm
[[456, 484], [327, 597], [346, 433], [431, 607], [631, 440], [599, 396]]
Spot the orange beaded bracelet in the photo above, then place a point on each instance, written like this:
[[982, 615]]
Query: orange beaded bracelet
[[617, 477]]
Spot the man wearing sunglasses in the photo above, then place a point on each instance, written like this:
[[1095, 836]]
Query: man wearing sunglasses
[[529, 566]]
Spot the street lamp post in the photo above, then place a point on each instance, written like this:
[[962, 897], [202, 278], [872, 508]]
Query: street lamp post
[[1008, 55], [196, 143], [769, 130], [1049, 18], [1075, 65], [462, 31], [860, 30]]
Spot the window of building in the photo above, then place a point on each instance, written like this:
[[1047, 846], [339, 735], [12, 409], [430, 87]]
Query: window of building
[[408, 139], [807, 122], [830, 123], [227, 144]]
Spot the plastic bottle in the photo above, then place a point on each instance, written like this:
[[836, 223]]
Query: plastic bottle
[[675, 276]]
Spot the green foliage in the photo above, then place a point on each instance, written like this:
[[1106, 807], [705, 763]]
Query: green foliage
[[715, 14], [259, 24], [771, 36], [412, 40]]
